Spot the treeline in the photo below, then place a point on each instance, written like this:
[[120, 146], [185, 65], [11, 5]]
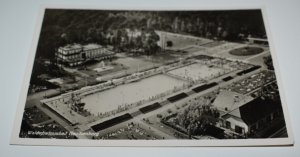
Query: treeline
[[61, 27], [269, 62]]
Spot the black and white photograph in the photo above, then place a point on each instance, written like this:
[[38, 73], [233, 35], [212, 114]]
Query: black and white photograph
[[152, 76]]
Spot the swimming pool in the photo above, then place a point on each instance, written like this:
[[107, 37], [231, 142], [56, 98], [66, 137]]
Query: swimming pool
[[110, 99]]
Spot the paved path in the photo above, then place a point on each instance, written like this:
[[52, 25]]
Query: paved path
[[59, 120], [34, 99]]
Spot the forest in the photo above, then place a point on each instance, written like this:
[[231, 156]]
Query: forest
[[63, 26]]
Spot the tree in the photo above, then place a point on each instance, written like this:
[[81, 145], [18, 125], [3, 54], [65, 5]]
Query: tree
[[151, 44], [268, 61]]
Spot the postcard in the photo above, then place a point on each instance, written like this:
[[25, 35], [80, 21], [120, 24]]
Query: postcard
[[149, 77]]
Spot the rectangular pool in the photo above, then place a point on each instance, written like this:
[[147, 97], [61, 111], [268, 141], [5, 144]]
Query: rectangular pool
[[110, 99], [197, 71]]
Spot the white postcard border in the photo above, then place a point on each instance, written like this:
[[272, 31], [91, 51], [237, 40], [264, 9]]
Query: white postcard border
[[16, 140]]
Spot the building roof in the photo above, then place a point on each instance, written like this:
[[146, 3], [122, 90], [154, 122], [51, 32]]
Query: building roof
[[71, 47], [257, 39], [228, 101], [254, 110], [91, 46], [257, 109], [79, 46]]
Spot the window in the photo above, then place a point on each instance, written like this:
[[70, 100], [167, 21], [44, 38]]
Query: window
[[228, 125], [83, 56], [239, 129]]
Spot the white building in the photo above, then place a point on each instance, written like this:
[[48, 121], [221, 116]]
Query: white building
[[258, 40], [76, 54], [245, 115]]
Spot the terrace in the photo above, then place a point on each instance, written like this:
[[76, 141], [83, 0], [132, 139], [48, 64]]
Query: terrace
[[253, 82]]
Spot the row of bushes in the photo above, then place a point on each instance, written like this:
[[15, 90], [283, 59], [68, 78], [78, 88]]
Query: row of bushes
[[150, 107], [111, 122], [227, 78], [177, 97], [204, 87], [248, 70]]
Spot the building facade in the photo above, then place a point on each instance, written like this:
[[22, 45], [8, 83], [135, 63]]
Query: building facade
[[244, 115], [76, 54], [252, 117]]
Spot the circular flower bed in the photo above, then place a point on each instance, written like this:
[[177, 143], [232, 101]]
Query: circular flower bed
[[246, 51]]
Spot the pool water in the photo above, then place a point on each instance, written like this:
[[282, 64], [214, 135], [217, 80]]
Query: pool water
[[197, 71], [110, 99]]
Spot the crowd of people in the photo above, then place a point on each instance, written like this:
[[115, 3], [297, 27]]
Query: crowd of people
[[124, 107], [128, 79], [132, 131], [253, 82]]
